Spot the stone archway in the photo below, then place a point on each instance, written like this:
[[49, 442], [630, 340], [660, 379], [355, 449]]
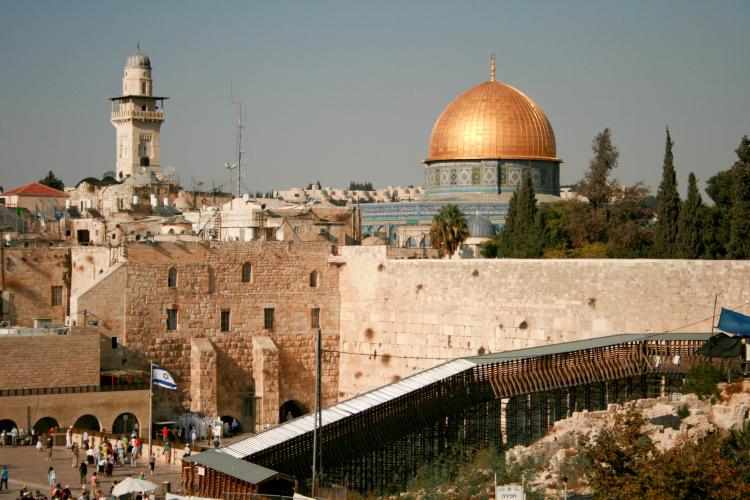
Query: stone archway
[[291, 409], [125, 424], [44, 424], [7, 425], [87, 422]]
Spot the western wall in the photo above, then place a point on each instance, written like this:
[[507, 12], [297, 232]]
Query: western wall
[[415, 313]]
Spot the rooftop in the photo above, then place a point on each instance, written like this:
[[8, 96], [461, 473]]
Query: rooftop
[[35, 189]]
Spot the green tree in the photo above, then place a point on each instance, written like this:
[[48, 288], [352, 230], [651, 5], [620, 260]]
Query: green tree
[[701, 380], [667, 207], [628, 232], [719, 188], [617, 457], [449, 230], [595, 185], [52, 181], [689, 244], [739, 231], [522, 236]]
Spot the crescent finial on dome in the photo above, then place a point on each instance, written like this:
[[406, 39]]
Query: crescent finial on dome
[[492, 67]]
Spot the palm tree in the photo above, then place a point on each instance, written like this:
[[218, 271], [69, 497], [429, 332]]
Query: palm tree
[[449, 230]]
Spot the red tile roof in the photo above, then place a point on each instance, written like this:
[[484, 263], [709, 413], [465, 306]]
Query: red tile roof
[[35, 189]]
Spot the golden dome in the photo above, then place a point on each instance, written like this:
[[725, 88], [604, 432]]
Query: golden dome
[[492, 121]]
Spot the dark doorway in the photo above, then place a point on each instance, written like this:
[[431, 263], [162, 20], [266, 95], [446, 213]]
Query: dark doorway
[[125, 424], [87, 422], [44, 424], [291, 409], [82, 235]]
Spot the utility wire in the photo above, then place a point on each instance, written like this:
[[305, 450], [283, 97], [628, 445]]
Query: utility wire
[[500, 355]]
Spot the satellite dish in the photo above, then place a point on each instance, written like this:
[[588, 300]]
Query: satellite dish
[[199, 181]]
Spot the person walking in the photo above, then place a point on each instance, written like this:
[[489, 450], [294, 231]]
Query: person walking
[[69, 437], [193, 437], [51, 477], [50, 442], [13, 436], [152, 463], [94, 483], [83, 472], [4, 477], [75, 453]]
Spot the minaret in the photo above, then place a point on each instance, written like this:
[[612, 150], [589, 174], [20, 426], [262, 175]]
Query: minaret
[[137, 115]]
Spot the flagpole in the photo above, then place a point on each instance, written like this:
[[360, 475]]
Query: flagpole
[[150, 405]]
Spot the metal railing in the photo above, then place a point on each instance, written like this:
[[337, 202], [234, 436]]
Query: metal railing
[[144, 115], [43, 391]]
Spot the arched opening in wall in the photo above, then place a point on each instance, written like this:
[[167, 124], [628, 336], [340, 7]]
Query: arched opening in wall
[[87, 422], [228, 419], [291, 409], [411, 242], [44, 424], [172, 277], [424, 242], [126, 423], [7, 425], [314, 279]]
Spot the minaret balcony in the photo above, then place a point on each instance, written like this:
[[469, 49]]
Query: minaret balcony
[[157, 116]]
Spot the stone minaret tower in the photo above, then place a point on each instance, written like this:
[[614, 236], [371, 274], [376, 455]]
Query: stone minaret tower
[[137, 115]]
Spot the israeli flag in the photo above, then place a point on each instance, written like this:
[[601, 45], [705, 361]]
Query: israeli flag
[[162, 378]]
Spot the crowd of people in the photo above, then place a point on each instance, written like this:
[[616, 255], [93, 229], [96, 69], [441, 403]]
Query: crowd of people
[[93, 462]]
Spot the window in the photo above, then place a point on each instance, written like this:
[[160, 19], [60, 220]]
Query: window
[[247, 272], [114, 342], [314, 279], [57, 294], [172, 278], [225, 320], [171, 320], [315, 317], [268, 318]]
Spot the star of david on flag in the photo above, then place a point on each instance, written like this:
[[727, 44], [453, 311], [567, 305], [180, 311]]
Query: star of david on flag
[[162, 378]]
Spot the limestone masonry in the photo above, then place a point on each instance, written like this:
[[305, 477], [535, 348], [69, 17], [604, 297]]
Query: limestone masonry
[[441, 309], [235, 322]]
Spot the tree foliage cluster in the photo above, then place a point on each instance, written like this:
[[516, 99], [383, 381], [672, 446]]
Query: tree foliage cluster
[[610, 220], [360, 186], [52, 181], [449, 229], [624, 463]]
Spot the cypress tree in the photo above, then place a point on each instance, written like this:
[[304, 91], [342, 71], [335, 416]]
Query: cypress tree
[[667, 207], [689, 242], [739, 230], [522, 235], [594, 185]]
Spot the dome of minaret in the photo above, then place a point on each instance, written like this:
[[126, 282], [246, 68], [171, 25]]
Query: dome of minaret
[[138, 59]]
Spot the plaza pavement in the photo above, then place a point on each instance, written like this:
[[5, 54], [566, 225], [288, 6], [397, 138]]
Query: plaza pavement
[[26, 466]]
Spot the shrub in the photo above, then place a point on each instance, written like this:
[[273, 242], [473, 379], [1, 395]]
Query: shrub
[[683, 411], [701, 380]]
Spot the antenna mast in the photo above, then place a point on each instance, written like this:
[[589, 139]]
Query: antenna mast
[[240, 125]]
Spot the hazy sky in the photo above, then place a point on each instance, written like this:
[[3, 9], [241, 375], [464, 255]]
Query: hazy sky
[[341, 91]]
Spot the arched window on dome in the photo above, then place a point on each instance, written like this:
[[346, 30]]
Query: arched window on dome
[[247, 272], [314, 279], [172, 277]]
